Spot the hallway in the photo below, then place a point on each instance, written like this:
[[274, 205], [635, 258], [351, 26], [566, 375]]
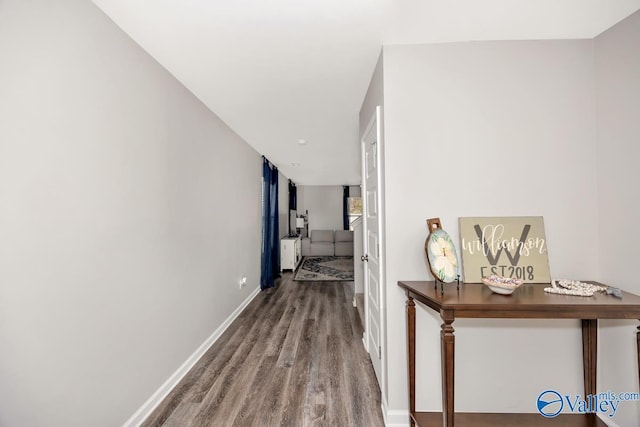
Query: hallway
[[294, 357]]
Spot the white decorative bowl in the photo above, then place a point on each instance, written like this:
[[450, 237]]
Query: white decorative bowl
[[501, 285]]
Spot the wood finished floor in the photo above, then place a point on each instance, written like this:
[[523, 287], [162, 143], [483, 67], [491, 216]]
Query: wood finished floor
[[294, 357]]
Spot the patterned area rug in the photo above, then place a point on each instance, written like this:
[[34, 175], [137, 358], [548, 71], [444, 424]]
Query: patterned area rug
[[328, 268]]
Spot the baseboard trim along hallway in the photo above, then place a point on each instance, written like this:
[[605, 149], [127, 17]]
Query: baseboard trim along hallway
[[394, 417], [152, 403]]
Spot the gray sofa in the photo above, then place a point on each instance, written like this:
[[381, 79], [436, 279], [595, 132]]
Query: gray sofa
[[328, 243], [343, 243]]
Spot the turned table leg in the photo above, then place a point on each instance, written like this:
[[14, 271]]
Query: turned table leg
[[411, 353], [589, 355], [447, 339]]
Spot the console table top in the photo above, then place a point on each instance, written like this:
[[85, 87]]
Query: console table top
[[475, 300]]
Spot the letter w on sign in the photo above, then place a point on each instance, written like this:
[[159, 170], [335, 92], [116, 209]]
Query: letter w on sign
[[493, 258]]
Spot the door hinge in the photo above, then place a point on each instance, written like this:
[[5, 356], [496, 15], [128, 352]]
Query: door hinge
[[379, 352]]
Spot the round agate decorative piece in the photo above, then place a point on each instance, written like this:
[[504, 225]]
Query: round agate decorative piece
[[441, 253]]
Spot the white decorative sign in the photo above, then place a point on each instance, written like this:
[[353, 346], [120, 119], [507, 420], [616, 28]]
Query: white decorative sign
[[513, 247]]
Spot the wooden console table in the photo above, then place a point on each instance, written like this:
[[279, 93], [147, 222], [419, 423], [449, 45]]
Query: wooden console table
[[529, 301]]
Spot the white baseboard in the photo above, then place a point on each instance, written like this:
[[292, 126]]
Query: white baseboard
[[400, 418], [607, 421], [394, 417], [152, 403]]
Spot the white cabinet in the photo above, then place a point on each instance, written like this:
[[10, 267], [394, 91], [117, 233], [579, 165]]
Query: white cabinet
[[289, 253]]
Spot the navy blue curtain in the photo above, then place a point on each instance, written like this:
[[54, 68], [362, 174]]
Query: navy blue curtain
[[293, 196], [270, 263], [293, 204], [345, 207]]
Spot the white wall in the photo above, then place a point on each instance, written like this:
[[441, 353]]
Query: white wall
[[618, 118], [128, 212], [489, 129], [374, 96], [324, 203]]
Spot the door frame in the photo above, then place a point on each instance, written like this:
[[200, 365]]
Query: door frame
[[376, 120]]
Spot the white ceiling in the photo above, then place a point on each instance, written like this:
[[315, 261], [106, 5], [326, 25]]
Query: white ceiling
[[277, 71]]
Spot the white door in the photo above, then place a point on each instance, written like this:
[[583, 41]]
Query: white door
[[373, 244]]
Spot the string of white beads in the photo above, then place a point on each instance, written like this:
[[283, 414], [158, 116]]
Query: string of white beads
[[574, 287]]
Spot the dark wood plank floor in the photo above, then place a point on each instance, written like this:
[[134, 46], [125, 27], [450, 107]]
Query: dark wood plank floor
[[294, 357]]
